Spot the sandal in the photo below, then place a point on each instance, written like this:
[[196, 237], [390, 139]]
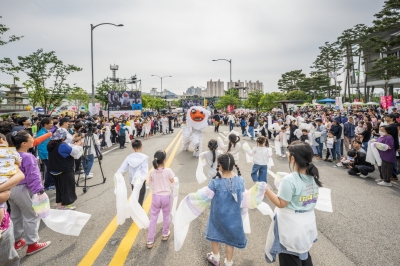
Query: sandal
[[165, 238], [150, 245]]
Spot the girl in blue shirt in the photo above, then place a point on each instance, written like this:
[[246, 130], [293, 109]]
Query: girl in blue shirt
[[294, 221]]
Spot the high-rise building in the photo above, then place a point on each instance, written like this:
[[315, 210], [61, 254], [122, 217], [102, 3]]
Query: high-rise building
[[249, 85], [214, 89], [193, 91]]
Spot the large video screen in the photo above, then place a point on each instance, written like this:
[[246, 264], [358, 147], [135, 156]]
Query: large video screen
[[124, 100]]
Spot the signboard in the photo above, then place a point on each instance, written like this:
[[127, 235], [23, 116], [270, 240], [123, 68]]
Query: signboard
[[230, 108], [124, 113], [124, 100]]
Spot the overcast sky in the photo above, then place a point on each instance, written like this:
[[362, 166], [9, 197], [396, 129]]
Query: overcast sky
[[264, 38]]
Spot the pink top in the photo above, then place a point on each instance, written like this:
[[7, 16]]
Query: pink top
[[6, 220], [160, 181]]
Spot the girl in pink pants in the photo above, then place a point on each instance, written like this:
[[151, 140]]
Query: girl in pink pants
[[160, 180]]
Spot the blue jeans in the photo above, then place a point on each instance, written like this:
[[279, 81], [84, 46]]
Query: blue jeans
[[320, 146], [262, 173], [48, 179], [230, 126], [251, 132], [88, 163], [365, 146], [336, 150]]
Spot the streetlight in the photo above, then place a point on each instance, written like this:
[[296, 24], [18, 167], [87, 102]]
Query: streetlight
[[91, 40], [340, 87], [161, 79], [230, 67]]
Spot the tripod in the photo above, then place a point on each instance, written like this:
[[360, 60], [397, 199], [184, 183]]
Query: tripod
[[88, 142]]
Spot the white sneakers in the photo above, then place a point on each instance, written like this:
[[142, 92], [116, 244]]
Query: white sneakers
[[385, 184], [363, 176]]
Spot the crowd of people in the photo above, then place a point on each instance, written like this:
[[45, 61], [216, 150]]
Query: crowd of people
[[342, 137], [358, 140], [44, 153]]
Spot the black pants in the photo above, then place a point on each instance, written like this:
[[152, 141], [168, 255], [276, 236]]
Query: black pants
[[216, 127], [113, 136], [65, 188], [293, 260], [243, 130], [141, 193], [78, 164], [363, 169], [386, 170], [121, 141]]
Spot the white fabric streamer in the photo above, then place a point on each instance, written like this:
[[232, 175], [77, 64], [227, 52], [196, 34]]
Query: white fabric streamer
[[121, 197], [324, 202], [201, 177], [66, 222]]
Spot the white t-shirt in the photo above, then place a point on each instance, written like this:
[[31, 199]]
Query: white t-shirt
[[261, 155]]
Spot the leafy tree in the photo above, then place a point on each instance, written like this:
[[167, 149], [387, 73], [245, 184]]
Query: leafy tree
[[297, 95], [12, 38], [289, 80], [253, 100], [315, 84], [79, 97], [328, 61], [101, 93], [146, 100], [234, 92], [267, 101], [388, 18], [226, 100], [177, 103], [47, 76], [385, 69], [157, 103]]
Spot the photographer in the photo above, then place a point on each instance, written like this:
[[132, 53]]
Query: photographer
[[89, 149], [78, 127], [360, 165]]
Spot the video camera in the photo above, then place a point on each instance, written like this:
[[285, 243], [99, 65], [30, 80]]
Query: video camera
[[89, 124]]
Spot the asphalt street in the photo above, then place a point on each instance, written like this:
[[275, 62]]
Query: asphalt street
[[362, 230]]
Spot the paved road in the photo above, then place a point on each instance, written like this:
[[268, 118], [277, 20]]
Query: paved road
[[362, 230]]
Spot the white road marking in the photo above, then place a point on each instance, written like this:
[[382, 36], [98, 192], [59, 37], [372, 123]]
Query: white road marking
[[110, 150]]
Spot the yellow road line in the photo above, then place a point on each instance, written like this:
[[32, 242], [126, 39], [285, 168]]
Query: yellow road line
[[127, 242], [101, 242]]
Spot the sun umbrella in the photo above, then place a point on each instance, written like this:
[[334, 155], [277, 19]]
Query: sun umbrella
[[372, 103], [346, 103], [327, 100], [357, 103]]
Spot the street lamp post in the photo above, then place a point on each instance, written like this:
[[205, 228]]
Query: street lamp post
[[230, 67], [161, 79], [91, 43]]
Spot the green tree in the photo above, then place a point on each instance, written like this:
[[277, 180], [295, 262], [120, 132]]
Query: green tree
[[297, 95], [12, 38], [157, 103], [79, 97], [102, 89], [314, 85], [177, 103], [289, 80], [253, 100], [146, 100], [328, 61], [47, 76], [226, 100], [267, 101]]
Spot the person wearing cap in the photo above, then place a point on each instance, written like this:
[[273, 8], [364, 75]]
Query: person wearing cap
[[321, 140], [61, 168]]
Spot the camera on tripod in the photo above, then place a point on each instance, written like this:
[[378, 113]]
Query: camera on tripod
[[89, 124]]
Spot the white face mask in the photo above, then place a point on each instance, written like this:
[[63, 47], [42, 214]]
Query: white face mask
[[382, 133]]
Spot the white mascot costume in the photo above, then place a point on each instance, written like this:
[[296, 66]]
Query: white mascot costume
[[196, 122]]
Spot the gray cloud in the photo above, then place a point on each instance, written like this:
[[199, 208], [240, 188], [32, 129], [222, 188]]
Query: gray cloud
[[180, 38]]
